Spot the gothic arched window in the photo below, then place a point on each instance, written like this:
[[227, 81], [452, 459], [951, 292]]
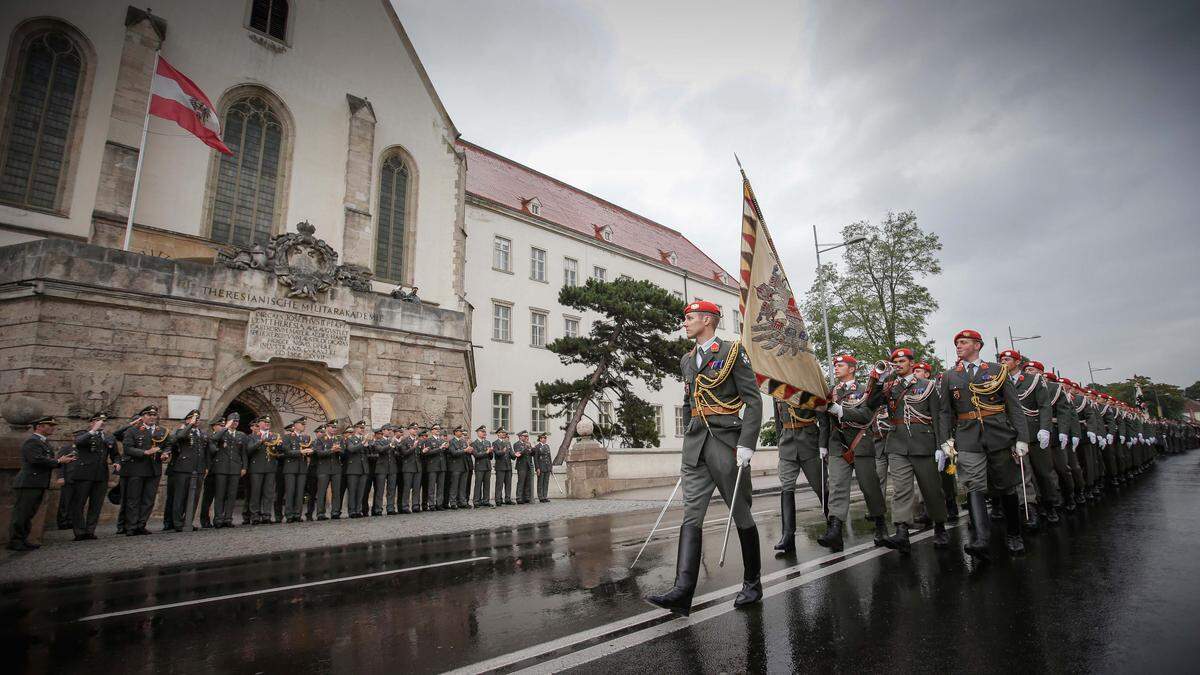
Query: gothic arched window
[[393, 231]]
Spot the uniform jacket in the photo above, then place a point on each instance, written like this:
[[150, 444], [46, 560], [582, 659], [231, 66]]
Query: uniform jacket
[[525, 450], [995, 432], [329, 463], [410, 461], [1034, 396], [256, 452], [136, 440], [914, 413], [502, 455], [434, 456], [1063, 420], [354, 456], [543, 460], [389, 456], [226, 452], [730, 431], [189, 450], [294, 462], [483, 454], [456, 461], [837, 434], [37, 463], [93, 451]]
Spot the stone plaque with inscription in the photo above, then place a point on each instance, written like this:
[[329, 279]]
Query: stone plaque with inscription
[[284, 335]]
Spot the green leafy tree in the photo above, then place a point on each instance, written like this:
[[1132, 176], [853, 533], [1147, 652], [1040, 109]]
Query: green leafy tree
[[1170, 396], [876, 298], [1193, 392], [629, 342]]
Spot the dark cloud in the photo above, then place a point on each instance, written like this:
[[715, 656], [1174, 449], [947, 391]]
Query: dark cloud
[[1053, 146]]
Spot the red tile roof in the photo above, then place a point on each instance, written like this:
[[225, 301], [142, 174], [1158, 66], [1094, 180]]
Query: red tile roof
[[500, 180]]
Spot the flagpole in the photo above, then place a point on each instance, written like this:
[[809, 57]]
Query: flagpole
[[137, 174]]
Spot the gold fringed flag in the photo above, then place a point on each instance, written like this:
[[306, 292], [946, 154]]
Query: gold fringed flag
[[773, 332]]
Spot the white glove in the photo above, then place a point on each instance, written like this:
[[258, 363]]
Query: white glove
[[1062, 440], [1141, 437], [1109, 439], [1092, 437], [1122, 440], [1102, 442], [834, 409], [824, 452], [941, 459], [744, 455], [1043, 438], [1022, 448], [1074, 442]]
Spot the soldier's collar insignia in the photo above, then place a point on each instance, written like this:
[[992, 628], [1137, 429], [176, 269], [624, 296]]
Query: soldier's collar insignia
[[716, 346], [983, 366], [959, 367]]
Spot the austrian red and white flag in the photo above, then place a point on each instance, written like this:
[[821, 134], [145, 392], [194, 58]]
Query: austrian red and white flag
[[174, 97]]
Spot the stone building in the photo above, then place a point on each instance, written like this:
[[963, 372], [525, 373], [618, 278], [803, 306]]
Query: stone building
[[260, 282]]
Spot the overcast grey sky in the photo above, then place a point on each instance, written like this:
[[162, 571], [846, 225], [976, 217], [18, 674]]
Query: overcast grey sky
[[1054, 147]]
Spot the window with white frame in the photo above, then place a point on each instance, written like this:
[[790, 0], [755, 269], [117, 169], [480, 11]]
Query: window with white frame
[[537, 328], [599, 273], [570, 326], [501, 409], [502, 254], [720, 317], [501, 322], [680, 422], [606, 413], [537, 415], [570, 272], [537, 264], [658, 421]]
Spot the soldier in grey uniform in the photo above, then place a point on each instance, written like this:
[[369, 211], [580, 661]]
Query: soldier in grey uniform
[[523, 458], [381, 450], [433, 456], [982, 416], [227, 464], [482, 451], [29, 487], [1034, 396], [260, 446], [718, 384], [88, 476], [189, 460], [848, 444], [914, 449], [923, 371], [142, 469], [297, 448], [460, 479], [354, 454], [390, 456], [409, 463], [543, 463], [327, 451], [502, 461], [799, 450], [1064, 440]]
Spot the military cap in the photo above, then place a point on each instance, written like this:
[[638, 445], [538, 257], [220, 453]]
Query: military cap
[[543, 435], [481, 427], [702, 306], [1012, 354], [48, 419], [361, 423], [380, 430], [1049, 376], [423, 432], [847, 359], [234, 416], [436, 426], [921, 365], [969, 334], [299, 420], [193, 411], [902, 351], [149, 410], [264, 418], [216, 420], [522, 433], [99, 417], [458, 429], [1037, 364], [501, 430], [414, 425]]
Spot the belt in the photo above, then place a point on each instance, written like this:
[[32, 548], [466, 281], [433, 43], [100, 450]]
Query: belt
[[708, 412], [799, 424], [978, 414], [897, 422]]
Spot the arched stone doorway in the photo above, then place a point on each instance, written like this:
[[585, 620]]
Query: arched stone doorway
[[281, 402], [286, 390]]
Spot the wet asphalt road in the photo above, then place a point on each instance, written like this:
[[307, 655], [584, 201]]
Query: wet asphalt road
[[1114, 589]]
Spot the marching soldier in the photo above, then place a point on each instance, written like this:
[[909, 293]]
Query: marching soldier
[[915, 449], [32, 481], [1064, 440], [354, 454], [88, 476], [502, 460], [845, 432], [297, 448], [227, 464], [262, 454], [544, 465], [457, 466], [718, 384], [983, 422], [481, 449], [1030, 384], [799, 450], [189, 460], [410, 469], [142, 469], [923, 371], [523, 458]]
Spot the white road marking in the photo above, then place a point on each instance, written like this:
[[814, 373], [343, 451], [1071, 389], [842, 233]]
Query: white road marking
[[506, 660], [279, 589]]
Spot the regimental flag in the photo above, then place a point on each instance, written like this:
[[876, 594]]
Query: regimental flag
[[174, 97], [773, 332]]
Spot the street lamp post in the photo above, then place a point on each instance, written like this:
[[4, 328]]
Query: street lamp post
[[1013, 340], [1092, 372], [821, 293]]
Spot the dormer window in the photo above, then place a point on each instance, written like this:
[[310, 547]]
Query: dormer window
[[532, 206], [669, 257], [604, 232], [723, 278]]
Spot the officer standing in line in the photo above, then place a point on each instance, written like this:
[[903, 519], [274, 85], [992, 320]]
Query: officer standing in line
[[457, 466], [381, 450], [297, 448], [1064, 439], [434, 465], [410, 469], [483, 467], [1030, 383], [983, 422], [923, 371], [142, 469], [29, 487], [260, 446], [88, 476], [189, 459], [327, 450], [523, 457], [354, 453], [392, 467], [446, 494], [227, 465], [502, 459], [310, 480], [543, 464], [718, 384]]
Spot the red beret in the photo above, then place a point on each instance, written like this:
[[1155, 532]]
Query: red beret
[[1011, 353], [845, 358], [969, 334], [902, 351], [1049, 376], [702, 306], [921, 365], [1037, 364]]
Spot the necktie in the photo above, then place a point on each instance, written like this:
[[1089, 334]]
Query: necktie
[[971, 371]]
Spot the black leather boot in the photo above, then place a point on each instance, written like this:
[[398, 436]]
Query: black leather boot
[[833, 535], [827, 538], [899, 540], [787, 510], [1012, 539], [752, 590], [880, 531], [1034, 521], [687, 566], [941, 539], [994, 510], [1051, 514], [977, 509]]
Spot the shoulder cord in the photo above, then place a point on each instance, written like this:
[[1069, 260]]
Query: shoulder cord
[[704, 395], [988, 388]]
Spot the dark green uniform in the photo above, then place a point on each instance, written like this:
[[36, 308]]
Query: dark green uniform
[[88, 476], [483, 471], [227, 460]]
